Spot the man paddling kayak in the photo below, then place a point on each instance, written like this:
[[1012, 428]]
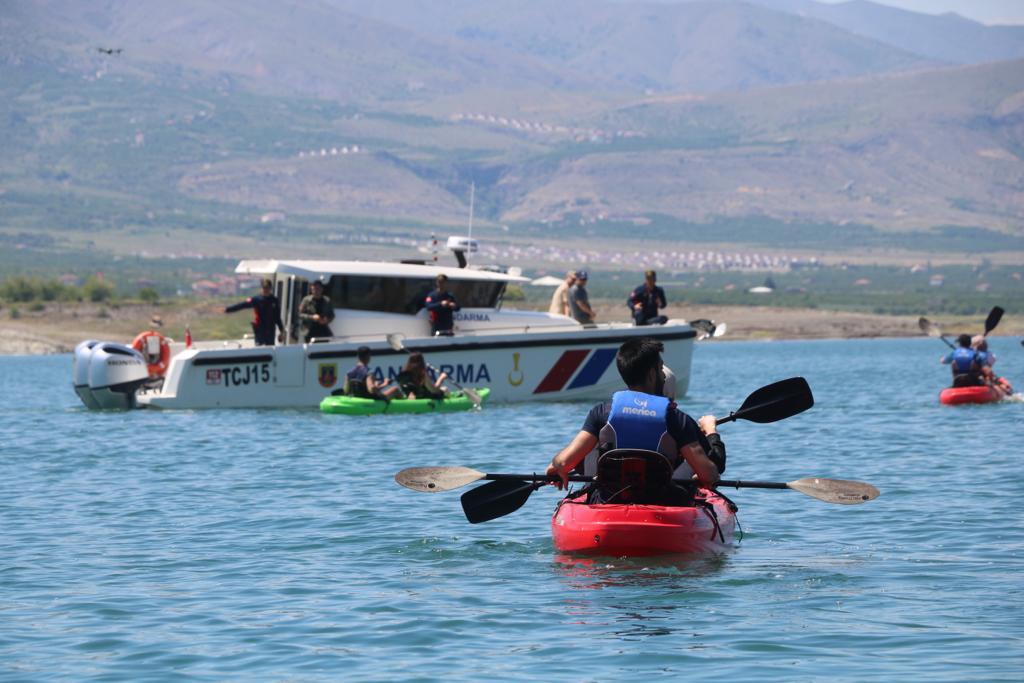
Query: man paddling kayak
[[968, 365], [642, 419]]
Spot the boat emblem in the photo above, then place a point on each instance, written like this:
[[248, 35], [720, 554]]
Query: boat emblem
[[327, 374], [642, 402], [515, 376]]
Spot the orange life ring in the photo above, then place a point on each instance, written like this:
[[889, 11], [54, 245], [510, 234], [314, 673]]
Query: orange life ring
[[155, 348]]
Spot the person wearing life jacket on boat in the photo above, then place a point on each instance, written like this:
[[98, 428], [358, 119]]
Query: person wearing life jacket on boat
[[642, 418], [416, 382], [316, 313], [440, 305], [360, 382], [987, 360], [266, 314], [967, 364], [645, 301]]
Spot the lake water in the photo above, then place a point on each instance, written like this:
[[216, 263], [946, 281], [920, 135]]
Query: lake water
[[272, 545]]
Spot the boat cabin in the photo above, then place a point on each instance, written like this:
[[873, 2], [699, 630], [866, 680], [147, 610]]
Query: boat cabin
[[375, 298]]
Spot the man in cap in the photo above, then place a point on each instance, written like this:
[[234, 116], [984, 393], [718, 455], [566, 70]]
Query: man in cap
[[645, 301], [579, 301]]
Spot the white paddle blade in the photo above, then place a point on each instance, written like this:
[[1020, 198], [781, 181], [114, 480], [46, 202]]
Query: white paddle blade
[[720, 329], [437, 479], [395, 342], [835, 490]]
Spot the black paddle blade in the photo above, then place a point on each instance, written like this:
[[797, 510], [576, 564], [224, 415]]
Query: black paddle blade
[[994, 316], [775, 402], [496, 499]]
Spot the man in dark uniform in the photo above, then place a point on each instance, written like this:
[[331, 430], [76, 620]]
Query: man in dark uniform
[[645, 301], [316, 313], [440, 304], [642, 418], [266, 314]]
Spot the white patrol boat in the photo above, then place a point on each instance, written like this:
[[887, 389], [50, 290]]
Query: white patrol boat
[[519, 355]]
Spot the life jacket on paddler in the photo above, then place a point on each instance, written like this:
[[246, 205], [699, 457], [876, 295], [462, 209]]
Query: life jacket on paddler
[[356, 382], [636, 457], [966, 367]]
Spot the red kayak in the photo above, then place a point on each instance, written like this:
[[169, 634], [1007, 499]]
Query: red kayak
[[637, 530], [952, 396]]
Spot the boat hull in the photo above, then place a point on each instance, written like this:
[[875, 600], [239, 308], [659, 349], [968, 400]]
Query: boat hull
[[350, 405], [641, 530], [568, 364], [952, 396]]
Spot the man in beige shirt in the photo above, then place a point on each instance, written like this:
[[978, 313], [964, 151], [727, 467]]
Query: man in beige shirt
[[560, 299]]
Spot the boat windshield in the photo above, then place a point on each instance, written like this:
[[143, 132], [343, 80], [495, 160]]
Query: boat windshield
[[390, 294]]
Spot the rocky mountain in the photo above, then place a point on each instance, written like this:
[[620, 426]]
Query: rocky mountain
[[127, 119]]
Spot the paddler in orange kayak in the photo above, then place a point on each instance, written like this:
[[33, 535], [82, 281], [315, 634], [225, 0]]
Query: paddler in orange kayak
[[639, 441]]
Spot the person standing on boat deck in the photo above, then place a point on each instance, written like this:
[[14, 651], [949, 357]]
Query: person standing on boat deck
[[645, 301], [361, 383], [560, 299], [967, 364], [441, 304], [579, 301], [266, 314], [648, 420], [316, 312]]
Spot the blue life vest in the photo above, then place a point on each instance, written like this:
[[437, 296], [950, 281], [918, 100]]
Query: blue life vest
[[963, 359], [637, 420]]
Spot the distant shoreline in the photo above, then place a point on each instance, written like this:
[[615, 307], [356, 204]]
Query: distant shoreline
[[59, 330]]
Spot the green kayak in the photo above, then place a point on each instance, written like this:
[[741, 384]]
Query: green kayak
[[350, 405]]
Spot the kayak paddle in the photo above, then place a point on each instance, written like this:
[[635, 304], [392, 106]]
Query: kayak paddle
[[505, 496], [395, 342], [508, 492], [933, 330], [770, 403]]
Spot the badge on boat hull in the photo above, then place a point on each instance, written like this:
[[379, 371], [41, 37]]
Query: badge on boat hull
[[327, 374]]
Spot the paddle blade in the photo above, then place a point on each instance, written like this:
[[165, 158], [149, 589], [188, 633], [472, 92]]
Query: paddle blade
[[775, 402], [435, 479], [837, 491], [495, 499], [929, 328], [473, 397], [395, 342], [994, 316]]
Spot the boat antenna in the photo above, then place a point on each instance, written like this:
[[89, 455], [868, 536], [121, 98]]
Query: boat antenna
[[472, 192]]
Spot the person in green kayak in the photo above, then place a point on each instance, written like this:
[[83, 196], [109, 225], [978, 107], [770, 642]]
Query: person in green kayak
[[360, 382], [642, 419], [416, 382]]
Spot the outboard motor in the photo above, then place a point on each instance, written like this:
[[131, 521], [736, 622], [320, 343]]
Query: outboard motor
[[80, 373], [116, 371]]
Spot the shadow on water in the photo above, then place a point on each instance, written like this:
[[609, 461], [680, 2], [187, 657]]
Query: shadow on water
[[665, 571]]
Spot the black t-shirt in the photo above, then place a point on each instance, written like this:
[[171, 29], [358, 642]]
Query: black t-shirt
[[681, 427]]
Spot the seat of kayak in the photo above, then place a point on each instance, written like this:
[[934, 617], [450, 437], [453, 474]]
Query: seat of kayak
[[634, 475]]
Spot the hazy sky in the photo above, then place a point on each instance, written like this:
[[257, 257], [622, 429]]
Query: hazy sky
[[985, 11]]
